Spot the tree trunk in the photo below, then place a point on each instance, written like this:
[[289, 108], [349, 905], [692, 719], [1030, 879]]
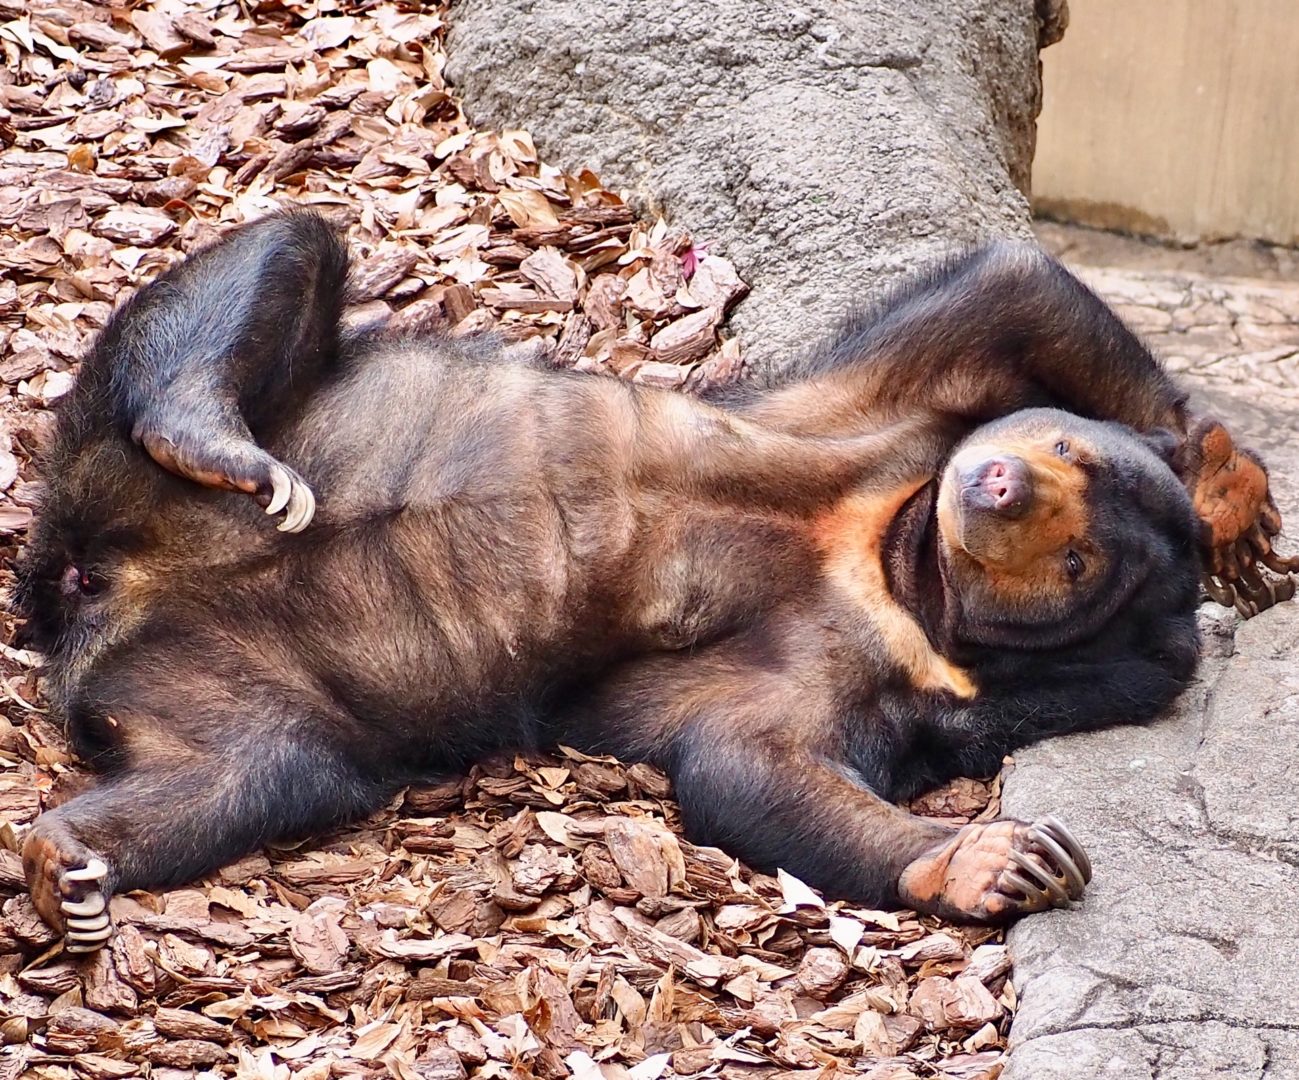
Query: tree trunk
[[827, 147]]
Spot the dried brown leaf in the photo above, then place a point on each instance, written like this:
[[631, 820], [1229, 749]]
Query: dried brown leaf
[[317, 939]]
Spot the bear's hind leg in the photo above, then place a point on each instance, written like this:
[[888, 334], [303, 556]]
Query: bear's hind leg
[[166, 825]]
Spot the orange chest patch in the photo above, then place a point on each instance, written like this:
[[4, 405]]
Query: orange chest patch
[[850, 538]]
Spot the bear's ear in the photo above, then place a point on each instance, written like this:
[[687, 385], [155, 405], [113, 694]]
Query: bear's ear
[[1164, 443]]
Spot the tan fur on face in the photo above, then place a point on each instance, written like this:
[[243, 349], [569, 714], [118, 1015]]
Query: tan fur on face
[[1025, 557]]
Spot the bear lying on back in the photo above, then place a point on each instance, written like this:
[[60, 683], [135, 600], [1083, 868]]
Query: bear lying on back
[[968, 522]]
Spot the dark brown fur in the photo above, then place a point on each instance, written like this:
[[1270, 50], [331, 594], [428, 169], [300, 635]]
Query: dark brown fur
[[760, 594]]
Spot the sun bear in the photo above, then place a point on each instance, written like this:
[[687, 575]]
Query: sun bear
[[974, 518]]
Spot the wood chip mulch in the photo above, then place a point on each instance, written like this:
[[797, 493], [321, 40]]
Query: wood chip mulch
[[542, 916]]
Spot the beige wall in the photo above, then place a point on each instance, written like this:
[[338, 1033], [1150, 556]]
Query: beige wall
[[1174, 118]]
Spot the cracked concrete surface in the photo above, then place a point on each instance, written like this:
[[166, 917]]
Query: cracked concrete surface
[[1183, 962]]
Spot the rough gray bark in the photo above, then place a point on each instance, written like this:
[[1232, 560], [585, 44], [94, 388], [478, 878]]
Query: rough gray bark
[[826, 147]]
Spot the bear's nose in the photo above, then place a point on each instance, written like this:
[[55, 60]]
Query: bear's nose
[[1001, 484]]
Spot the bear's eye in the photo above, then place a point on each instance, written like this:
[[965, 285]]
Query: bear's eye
[[1074, 564], [75, 581], [1062, 448]]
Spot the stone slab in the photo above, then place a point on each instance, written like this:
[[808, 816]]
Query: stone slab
[[1183, 961]]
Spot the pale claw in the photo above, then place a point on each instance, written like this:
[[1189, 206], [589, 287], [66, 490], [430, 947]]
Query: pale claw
[[95, 870], [87, 945], [293, 495], [281, 489], [86, 922], [86, 935], [302, 508], [87, 926], [93, 904]]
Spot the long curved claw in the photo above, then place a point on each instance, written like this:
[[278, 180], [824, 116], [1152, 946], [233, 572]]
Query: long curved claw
[[1229, 487], [997, 871], [92, 905], [1034, 896], [281, 489], [86, 922], [1277, 589], [301, 508], [292, 495], [1074, 882], [1250, 592], [89, 934], [1054, 890], [1057, 830], [94, 870], [1256, 588], [89, 926], [1218, 592], [235, 464], [1279, 564], [1256, 593]]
